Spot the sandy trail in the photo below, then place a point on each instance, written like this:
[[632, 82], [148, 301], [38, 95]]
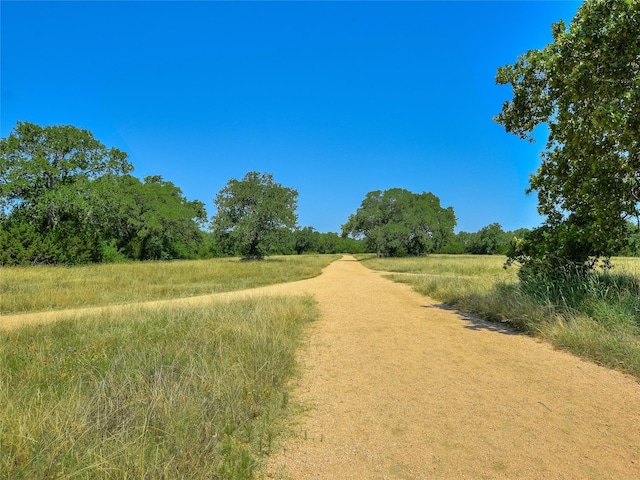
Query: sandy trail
[[11, 321], [398, 387]]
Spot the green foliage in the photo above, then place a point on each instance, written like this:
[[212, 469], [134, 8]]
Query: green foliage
[[489, 240], [110, 253], [22, 244], [37, 164], [25, 242], [585, 86], [459, 244], [632, 246], [397, 222], [305, 240], [331, 242], [68, 199], [253, 214], [46, 175], [150, 220], [453, 248], [308, 240]]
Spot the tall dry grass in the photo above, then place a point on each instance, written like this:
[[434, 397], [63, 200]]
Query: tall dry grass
[[454, 279], [28, 289], [473, 266], [163, 393], [596, 317]]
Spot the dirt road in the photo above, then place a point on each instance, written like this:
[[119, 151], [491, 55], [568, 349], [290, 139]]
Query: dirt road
[[398, 387]]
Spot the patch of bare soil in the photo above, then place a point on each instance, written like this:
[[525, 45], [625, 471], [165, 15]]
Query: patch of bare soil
[[399, 387]]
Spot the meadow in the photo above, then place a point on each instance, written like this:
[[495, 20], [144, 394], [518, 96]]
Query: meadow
[[202, 391], [38, 288], [141, 392], [162, 393], [595, 317]]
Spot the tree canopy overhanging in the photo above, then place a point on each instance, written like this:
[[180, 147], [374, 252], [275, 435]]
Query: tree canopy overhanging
[[585, 86]]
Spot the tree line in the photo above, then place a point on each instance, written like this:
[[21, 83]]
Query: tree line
[[65, 198]]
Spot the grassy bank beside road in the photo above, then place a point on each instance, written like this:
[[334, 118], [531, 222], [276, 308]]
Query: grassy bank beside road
[[30, 289], [596, 317], [151, 393]]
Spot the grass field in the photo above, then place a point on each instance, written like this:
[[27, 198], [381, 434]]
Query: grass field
[[50, 288], [597, 318], [169, 393], [201, 392], [449, 278], [141, 392]]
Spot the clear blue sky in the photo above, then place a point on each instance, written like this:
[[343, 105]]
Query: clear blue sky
[[335, 99]]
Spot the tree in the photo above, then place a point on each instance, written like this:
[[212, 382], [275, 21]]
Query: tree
[[46, 175], [489, 240], [585, 86], [305, 240], [148, 220], [397, 222], [47, 168], [252, 213], [632, 247], [66, 198], [458, 244]]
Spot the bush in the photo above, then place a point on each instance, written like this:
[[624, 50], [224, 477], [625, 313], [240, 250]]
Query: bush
[[110, 253]]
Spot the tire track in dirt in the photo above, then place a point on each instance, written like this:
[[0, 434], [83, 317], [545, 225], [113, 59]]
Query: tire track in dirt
[[399, 387]]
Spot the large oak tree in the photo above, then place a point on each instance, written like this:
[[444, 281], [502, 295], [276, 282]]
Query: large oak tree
[[585, 86], [253, 213], [397, 222], [46, 167]]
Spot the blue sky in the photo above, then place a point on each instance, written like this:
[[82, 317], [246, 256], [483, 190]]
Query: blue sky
[[335, 99]]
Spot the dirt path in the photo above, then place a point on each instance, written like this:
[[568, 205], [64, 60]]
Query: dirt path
[[398, 387]]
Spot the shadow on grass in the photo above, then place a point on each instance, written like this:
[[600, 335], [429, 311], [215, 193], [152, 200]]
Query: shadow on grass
[[477, 323]]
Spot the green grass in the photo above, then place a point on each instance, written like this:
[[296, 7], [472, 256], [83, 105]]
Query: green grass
[[162, 393], [475, 266], [453, 279], [29, 289], [596, 317]]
